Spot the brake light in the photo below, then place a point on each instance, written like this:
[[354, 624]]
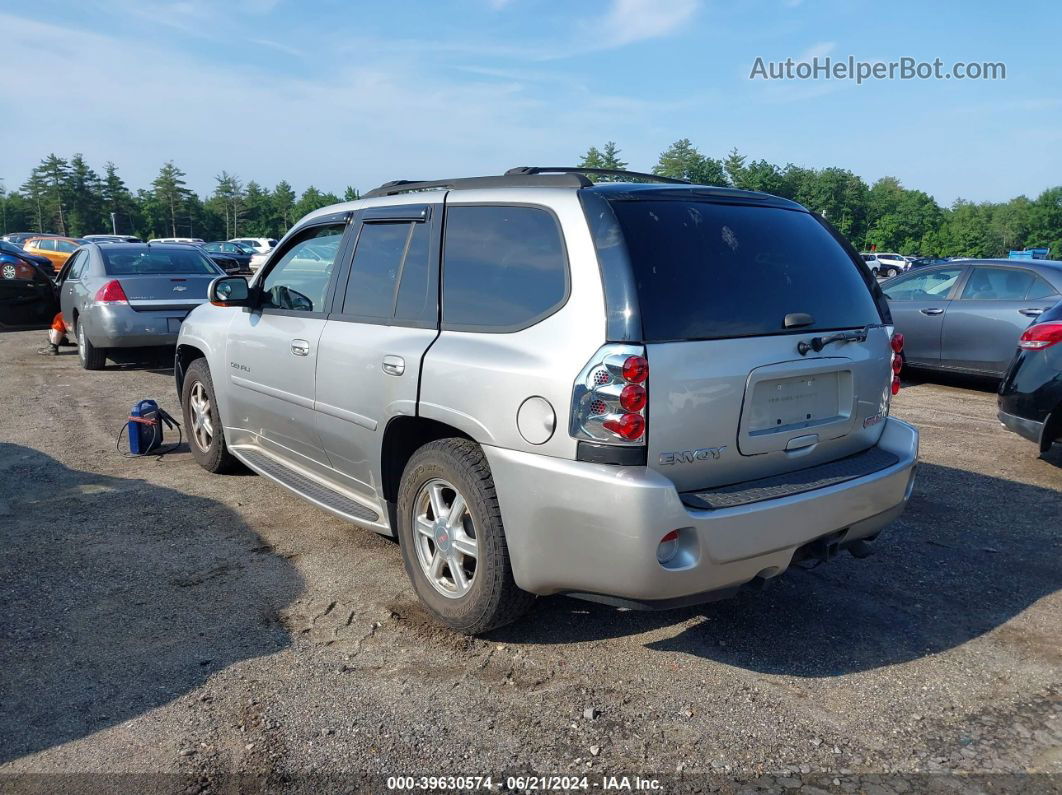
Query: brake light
[[1040, 336], [629, 426], [111, 293], [610, 398], [897, 361], [635, 369]]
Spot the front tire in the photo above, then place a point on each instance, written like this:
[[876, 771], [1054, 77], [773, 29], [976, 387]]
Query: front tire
[[202, 421], [890, 273], [91, 357], [452, 539]]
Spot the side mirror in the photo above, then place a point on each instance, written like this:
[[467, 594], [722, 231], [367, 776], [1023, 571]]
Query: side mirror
[[229, 291]]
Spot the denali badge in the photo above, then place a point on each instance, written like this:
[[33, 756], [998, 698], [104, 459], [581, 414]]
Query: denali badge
[[689, 456]]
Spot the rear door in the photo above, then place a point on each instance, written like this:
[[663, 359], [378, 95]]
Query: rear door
[[385, 315], [918, 302], [726, 293], [982, 326]]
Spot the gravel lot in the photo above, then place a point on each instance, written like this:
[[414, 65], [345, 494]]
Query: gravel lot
[[160, 620]]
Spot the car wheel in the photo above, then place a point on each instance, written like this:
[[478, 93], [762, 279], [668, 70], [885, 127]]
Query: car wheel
[[202, 422], [890, 273], [92, 358], [452, 539]]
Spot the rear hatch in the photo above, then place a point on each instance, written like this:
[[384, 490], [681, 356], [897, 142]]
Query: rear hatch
[[727, 292], [161, 278]]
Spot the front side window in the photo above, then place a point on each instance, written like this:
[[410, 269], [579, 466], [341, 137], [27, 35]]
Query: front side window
[[997, 284], [503, 267], [923, 286], [299, 280]]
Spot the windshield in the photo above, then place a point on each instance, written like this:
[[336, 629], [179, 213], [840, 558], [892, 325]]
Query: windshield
[[705, 270], [122, 261]]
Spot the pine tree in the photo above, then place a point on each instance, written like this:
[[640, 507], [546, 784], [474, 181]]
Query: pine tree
[[55, 172], [283, 201], [170, 192], [734, 166]]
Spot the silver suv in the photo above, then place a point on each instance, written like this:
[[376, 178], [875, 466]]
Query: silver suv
[[646, 394]]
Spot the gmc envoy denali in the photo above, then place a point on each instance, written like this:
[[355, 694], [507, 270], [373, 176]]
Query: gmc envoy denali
[[645, 393]]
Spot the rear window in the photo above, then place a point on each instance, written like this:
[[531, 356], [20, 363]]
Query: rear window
[[120, 261], [706, 270]]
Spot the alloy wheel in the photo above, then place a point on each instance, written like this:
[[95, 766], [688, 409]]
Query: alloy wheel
[[202, 426], [445, 538]]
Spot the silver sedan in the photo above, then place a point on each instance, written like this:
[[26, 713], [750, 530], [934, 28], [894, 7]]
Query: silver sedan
[[131, 295], [966, 315]]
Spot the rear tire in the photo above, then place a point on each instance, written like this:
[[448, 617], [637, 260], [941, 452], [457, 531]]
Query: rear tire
[[202, 421], [890, 273], [91, 357], [490, 598]]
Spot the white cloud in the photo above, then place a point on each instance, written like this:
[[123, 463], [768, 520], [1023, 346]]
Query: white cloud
[[629, 21]]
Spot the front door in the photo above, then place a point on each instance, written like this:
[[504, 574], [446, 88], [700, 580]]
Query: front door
[[27, 296], [918, 302], [271, 349], [386, 317]]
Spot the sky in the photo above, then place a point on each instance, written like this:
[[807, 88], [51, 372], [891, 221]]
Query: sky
[[335, 93]]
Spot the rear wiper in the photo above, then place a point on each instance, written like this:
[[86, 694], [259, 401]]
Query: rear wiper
[[818, 343]]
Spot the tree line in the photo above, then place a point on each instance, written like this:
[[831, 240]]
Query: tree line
[[69, 197]]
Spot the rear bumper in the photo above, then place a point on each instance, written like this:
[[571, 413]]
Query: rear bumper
[[121, 326], [1028, 429], [593, 529]]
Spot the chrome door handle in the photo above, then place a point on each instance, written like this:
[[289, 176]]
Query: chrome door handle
[[932, 311], [394, 365], [1031, 312], [300, 347]]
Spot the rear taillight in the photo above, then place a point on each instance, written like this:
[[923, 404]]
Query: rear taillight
[[610, 397], [897, 361], [1040, 336], [111, 293]]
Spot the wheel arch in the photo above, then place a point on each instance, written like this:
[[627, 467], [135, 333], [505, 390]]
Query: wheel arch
[[402, 437], [185, 354]]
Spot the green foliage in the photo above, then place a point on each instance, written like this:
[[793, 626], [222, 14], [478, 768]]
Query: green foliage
[[68, 196]]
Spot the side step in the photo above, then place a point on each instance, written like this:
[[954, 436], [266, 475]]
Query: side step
[[305, 487], [818, 477]]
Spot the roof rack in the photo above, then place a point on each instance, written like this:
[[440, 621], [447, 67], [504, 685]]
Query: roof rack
[[503, 181], [519, 177], [599, 172]]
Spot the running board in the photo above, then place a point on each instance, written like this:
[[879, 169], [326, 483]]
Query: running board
[[305, 487]]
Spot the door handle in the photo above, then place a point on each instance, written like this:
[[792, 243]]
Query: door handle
[[932, 311], [394, 365], [300, 347], [1031, 312]]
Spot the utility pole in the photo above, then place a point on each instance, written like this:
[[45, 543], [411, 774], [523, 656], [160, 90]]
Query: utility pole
[[114, 223]]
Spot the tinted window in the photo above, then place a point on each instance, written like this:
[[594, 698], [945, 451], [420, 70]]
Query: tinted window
[[371, 287], [134, 261], [923, 285], [1041, 289], [45, 245], [997, 284], [299, 280], [65, 246], [413, 296], [503, 267], [710, 271]]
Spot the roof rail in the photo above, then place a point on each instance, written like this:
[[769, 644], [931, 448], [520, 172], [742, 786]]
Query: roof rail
[[513, 180], [601, 172]]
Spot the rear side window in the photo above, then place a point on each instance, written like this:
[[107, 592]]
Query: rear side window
[[997, 284], [504, 267], [377, 259], [1041, 289], [706, 270]]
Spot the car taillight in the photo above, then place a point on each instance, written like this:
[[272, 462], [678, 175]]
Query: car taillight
[[111, 293], [897, 361], [1040, 336], [610, 397]]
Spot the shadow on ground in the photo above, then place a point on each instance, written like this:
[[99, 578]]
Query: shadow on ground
[[969, 554], [119, 596]]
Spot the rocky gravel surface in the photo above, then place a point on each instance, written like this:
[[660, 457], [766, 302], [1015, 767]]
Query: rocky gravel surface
[[166, 630]]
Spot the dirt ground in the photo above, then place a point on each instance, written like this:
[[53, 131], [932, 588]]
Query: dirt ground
[[216, 633]]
